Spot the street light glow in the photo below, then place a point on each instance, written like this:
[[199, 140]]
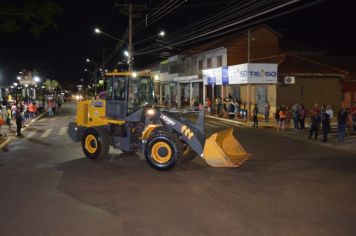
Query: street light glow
[[26, 85], [37, 79], [162, 33], [126, 53], [87, 60], [134, 74], [18, 78], [15, 84], [97, 30]]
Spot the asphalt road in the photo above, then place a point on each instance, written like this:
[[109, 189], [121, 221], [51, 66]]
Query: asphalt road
[[288, 187]]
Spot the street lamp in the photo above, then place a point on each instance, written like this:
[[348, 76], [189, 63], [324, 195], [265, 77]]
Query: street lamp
[[98, 31], [37, 79], [129, 45], [18, 78]]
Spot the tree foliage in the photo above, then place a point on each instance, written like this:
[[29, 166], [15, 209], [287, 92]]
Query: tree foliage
[[38, 15], [51, 84]]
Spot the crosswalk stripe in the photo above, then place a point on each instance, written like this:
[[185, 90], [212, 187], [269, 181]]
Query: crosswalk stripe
[[63, 131], [46, 133], [30, 134]]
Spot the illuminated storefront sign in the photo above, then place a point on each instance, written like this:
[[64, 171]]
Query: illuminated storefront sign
[[251, 73]]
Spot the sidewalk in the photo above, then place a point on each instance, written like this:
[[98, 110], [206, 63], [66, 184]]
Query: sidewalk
[[349, 145], [10, 134]]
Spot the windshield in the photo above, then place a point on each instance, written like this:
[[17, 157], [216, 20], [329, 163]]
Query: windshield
[[140, 93]]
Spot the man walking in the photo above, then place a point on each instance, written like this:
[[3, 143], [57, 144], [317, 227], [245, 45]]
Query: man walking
[[19, 120], [254, 115]]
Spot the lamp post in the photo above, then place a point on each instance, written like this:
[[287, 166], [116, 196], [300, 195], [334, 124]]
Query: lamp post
[[129, 46]]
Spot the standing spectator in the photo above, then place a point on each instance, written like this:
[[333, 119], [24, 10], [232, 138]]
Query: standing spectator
[[19, 120], [59, 105], [224, 108], [236, 109], [218, 105], [282, 116], [254, 116], [208, 102], [50, 108], [329, 111], [349, 122], [267, 109], [288, 118], [341, 123], [9, 114], [314, 125], [276, 115], [295, 114], [325, 122], [302, 117]]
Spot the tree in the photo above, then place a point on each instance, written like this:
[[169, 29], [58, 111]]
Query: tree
[[38, 15], [51, 85]]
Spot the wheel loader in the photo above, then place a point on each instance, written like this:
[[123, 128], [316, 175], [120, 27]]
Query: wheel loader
[[126, 118]]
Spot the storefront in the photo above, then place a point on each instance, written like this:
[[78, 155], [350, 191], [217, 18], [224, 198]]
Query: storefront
[[187, 88], [251, 83]]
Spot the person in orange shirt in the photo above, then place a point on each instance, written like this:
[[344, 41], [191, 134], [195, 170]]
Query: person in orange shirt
[[282, 118], [31, 110]]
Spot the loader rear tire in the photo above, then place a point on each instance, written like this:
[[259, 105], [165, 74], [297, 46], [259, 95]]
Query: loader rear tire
[[163, 150], [188, 153], [95, 143]]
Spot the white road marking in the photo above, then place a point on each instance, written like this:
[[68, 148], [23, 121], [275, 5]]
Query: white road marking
[[30, 134], [46, 133], [63, 131]]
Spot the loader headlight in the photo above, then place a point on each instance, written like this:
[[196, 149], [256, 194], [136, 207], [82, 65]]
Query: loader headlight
[[150, 112]]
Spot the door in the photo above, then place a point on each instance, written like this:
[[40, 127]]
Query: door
[[261, 97]]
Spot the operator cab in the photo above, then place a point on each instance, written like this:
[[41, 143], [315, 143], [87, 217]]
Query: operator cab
[[127, 93]]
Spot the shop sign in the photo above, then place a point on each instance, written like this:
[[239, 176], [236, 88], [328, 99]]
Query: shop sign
[[225, 75], [215, 76], [253, 73]]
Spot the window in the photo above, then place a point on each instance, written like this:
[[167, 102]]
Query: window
[[219, 61], [140, 93], [209, 63], [116, 88], [200, 64]]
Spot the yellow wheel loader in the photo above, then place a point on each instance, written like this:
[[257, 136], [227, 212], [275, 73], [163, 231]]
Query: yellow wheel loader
[[127, 119]]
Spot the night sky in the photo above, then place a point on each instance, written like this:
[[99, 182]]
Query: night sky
[[60, 53]]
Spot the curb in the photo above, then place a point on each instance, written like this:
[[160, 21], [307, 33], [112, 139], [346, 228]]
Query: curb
[[9, 139]]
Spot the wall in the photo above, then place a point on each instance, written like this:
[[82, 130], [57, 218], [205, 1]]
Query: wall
[[263, 42], [315, 90]]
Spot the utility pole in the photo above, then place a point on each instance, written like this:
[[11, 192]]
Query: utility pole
[[128, 10], [248, 46], [130, 38]]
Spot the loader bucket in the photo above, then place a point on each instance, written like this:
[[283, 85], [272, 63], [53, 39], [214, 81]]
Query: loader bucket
[[223, 150]]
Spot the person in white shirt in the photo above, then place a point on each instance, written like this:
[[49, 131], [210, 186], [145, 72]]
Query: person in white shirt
[[329, 112]]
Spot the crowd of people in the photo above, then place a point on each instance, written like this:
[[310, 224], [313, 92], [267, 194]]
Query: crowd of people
[[319, 118], [23, 112]]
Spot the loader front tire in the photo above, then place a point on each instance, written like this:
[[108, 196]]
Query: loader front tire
[[95, 143], [163, 150]]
